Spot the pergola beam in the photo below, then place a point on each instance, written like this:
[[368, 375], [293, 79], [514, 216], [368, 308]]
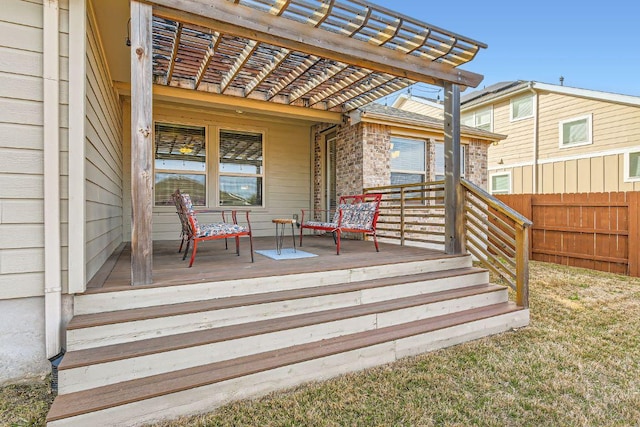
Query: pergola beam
[[174, 51], [237, 66], [293, 75], [278, 59], [242, 21], [338, 86], [315, 82], [208, 56]]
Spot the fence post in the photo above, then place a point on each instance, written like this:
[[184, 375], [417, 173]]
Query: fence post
[[522, 266], [633, 215], [402, 196]]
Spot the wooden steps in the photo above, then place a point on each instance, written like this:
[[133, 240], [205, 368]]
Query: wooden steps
[[268, 340]]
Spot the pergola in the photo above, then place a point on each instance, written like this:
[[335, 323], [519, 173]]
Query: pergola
[[323, 56]]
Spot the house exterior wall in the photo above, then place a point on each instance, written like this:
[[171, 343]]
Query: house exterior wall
[[103, 166], [22, 184], [287, 165], [363, 157], [595, 167], [409, 104]]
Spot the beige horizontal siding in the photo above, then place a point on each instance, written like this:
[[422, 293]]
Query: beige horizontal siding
[[422, 108], [286, 164], [103, 151]]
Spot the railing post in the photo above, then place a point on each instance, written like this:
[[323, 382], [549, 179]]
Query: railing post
[[454, 226], [522, 266], [402, 201]]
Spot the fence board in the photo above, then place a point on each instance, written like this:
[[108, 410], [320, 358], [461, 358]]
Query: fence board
[[600, 231]]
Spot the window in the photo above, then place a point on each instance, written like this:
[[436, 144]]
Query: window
[[408, 161], [481, 119], [501, 183], [632, 166], [522, 107], [439, 160], [240, 168], [576, 131], [180, 161]]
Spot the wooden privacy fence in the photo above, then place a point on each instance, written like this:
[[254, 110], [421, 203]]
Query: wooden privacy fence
[[599, 231]]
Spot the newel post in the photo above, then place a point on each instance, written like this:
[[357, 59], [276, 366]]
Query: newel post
[[141, 144], [453, 200], [522, 265]]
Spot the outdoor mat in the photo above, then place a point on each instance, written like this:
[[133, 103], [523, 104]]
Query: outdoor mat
[[286, 253]]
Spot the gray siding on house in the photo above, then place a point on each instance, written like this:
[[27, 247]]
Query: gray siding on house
[[104, 168]]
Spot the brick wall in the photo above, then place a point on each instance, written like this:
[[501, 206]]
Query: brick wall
[[477, 163]]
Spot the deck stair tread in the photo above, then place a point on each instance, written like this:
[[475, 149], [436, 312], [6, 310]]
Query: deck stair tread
[[154, 312], [86, 401], [109, 353]]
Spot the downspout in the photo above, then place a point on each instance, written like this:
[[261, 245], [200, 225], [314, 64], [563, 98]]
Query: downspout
[[51, 98], [535, 138]]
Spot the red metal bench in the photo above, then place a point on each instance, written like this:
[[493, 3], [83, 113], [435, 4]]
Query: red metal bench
[[354, 214], [193, 231]]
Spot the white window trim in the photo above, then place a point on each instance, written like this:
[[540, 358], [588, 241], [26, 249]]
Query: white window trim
[[464, 148], [206, 172], [589, 118], [216, 174], [505, 173], [415, 172], [628, 178], [517, 119], [473, 116]]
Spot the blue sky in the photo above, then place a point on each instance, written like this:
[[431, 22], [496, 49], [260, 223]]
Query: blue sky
[[593, 47]]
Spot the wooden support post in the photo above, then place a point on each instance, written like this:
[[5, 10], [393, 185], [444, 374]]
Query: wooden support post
[[453, 200], [633, 200], [141, 144], [402, 212], [522, 266]]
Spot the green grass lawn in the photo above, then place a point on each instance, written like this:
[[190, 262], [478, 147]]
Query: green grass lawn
[[577, 364]]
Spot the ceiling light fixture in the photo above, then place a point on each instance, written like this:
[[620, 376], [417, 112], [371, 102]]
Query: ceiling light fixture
[[186, 150]]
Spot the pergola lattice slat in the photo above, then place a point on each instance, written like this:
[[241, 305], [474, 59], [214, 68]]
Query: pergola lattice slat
[[311, 43]]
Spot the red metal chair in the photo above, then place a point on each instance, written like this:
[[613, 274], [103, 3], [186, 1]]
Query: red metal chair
[[355, 214], [193, 231]]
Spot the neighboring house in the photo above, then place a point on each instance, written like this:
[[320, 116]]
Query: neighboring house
[[559, 139], [107, 106]]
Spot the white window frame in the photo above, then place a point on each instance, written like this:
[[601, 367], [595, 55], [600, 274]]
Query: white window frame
[[627, 164], [412, 172], [216, 173], [207, 170], [588, 118], [511, 103], [506, 173], [474, 118]]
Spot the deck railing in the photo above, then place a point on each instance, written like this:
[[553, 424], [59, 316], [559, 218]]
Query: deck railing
[[495, 234]]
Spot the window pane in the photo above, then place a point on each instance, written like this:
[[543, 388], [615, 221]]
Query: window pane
[[439, 161], [467, 120], [240, 152], [192, 184], [240, 191], [500, 184], [180, 147], [483, 120], [575, 132], [634, 165], [398, 178], [407, 155], [522, 107]]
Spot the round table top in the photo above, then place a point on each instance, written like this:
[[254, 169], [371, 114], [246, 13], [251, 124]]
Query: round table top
[[283, 221]]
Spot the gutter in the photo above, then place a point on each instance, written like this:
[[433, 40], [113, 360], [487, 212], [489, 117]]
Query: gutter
[[536, 140], [51, 125]]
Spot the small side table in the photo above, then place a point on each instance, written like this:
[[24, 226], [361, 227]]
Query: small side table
[[280, 229]]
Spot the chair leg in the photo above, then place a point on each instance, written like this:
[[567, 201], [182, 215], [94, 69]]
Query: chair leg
[[181, 243], [193, 253], [237, 245], [336, 236], [375, 241], [186, 251], [251, 245], [301, 228]]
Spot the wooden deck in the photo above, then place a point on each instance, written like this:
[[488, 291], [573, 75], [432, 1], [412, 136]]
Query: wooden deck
[[213, 262]]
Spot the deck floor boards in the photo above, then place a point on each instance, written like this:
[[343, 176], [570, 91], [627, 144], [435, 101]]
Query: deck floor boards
[[213, 262]]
